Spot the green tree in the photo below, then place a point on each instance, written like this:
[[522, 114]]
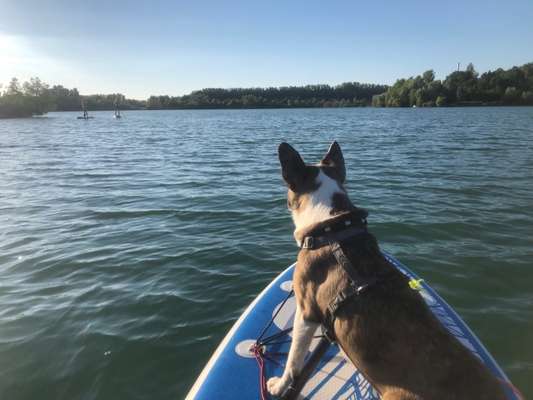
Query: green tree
[[428, 76], [527, 97], [512, 95], [471, 70], [14, 87], [441, 101]]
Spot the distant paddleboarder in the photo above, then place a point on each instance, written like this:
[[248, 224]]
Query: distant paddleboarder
[[117, 109], [85, 113]]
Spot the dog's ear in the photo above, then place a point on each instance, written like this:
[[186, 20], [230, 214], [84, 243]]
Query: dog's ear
[[292, 165], [334, 158]]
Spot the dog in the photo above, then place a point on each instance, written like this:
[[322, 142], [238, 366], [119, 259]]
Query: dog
[[387, 332]]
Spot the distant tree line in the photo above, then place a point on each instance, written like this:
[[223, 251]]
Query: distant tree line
[[35, 97], [461, 88], [63, 99], [501, 87], [349, 94]]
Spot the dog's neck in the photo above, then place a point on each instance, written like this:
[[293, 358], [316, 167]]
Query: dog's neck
[[329, 200], [341, 226]]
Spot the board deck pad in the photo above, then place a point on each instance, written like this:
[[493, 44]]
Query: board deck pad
[[233, 373]]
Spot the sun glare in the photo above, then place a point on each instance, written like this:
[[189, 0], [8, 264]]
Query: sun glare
[[9, 45], [11, 56]]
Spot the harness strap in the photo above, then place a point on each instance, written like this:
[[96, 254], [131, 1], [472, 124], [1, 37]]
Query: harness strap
[[332, 233], [316, 242], [357, 286]]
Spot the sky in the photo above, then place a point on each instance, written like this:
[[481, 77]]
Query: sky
[[173, 47]]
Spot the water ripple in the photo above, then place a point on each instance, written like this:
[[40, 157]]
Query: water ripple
[[128, 248]]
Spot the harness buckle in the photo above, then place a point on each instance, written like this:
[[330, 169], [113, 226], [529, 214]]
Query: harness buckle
[[308, 243], [362, 288], [329, 335], [365, 285]]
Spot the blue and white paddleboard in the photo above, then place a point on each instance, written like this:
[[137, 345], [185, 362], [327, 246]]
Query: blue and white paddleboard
[[233, 373]]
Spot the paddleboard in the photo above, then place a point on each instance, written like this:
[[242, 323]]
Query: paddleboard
[[233, 372]]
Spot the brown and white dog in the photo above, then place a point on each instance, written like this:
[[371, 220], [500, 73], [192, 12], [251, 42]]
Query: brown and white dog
[[388, 333]]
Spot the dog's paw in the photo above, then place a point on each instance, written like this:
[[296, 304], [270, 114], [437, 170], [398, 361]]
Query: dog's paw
[[276, 386]]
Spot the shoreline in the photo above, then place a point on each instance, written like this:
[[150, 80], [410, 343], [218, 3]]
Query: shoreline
[[270, 108], [276, 108]]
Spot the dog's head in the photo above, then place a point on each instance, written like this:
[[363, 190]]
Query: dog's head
[[315, 192]]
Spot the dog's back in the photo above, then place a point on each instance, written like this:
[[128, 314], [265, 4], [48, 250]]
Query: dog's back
[[391, 335]]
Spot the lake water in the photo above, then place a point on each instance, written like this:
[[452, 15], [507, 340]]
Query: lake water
[[129, 247]]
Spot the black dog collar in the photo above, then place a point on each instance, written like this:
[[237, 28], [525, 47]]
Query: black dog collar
[[336, 229]]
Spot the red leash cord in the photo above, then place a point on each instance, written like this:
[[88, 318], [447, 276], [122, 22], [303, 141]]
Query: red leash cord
[[515, 390], [261, 357], [258, 347], [258, 354]]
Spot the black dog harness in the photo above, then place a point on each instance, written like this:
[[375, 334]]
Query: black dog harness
[[332, 233]]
